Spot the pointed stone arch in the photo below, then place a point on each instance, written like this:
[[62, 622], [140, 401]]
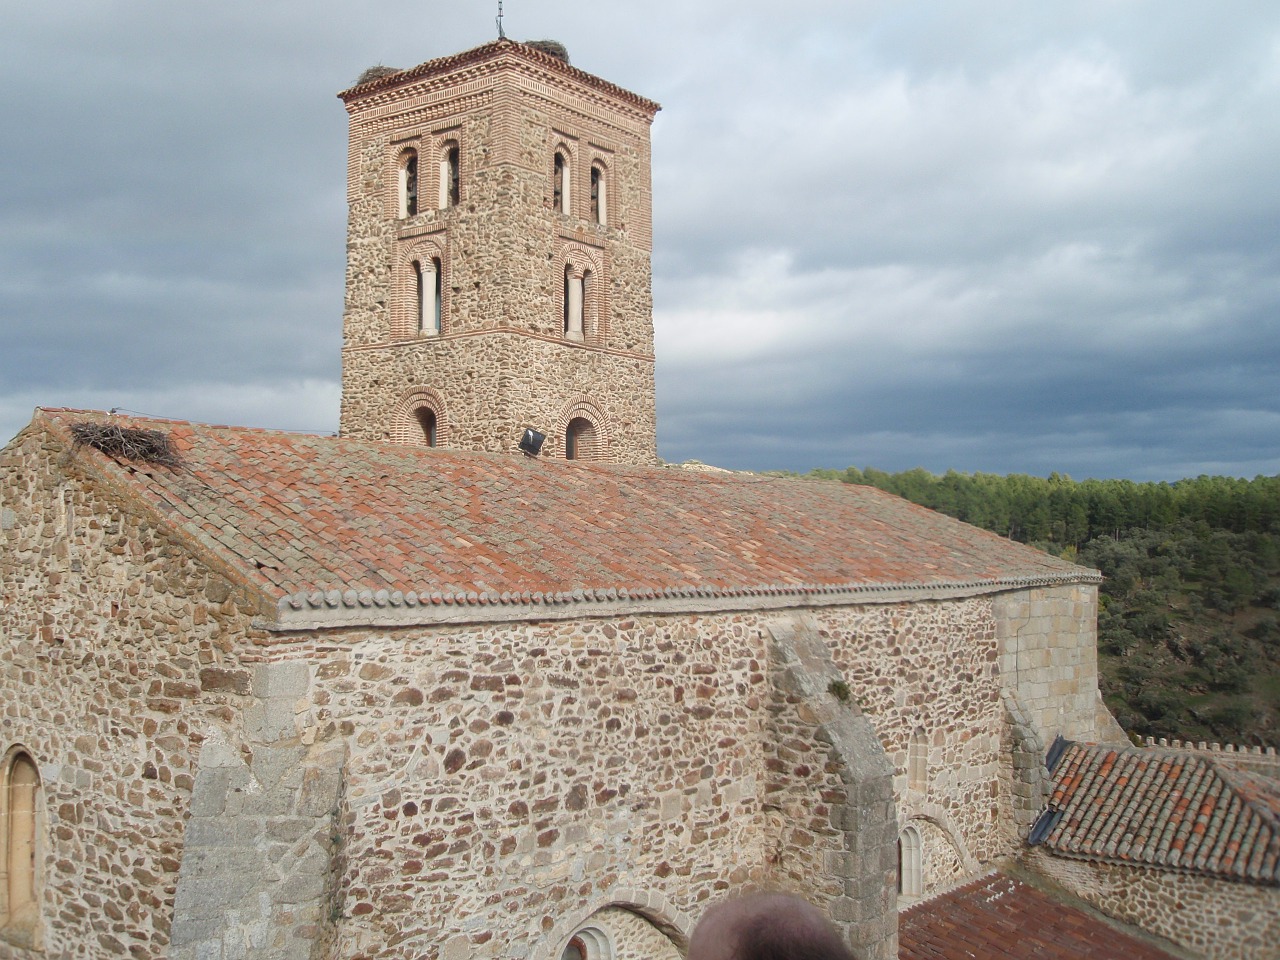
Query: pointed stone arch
[[409, 418]]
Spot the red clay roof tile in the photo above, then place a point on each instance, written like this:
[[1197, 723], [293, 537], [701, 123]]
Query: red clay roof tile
[[1001, 918], [303, 515]]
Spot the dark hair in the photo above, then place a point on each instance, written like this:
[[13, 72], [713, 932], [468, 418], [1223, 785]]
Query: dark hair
[[783, 936]]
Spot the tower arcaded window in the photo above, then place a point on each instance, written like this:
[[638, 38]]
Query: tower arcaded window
[[409, 183], [450, 176], [599, 197], [561, 184]]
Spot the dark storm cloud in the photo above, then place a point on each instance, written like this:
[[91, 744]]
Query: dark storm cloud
[[989, 236]]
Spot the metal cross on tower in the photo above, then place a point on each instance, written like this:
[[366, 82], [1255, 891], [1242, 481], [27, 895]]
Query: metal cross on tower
[[501, 34]]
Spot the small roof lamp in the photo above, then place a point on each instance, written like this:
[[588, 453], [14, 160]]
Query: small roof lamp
[[531, 442]]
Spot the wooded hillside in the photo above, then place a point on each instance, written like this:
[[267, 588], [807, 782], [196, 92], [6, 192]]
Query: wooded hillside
[[1189, 615]]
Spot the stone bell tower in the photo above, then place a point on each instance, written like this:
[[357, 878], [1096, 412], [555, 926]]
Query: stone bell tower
[[498, 257]]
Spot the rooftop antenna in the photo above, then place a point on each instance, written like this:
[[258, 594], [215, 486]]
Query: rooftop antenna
[[501, 33]]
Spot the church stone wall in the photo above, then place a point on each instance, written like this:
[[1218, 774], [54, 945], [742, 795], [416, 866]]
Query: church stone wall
[[1218, 919], [1049, 656], [116, 651]]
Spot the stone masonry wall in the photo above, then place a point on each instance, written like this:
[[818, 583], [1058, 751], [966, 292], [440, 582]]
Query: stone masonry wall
[[503, 250], [1049, 656], [503, 778], [933, 665], [1219, 919], [115, 662]]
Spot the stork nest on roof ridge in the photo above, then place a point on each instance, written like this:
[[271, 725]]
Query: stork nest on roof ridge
[[127, 443], [376, 72]]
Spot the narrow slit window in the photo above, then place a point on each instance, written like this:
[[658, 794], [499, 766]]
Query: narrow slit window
[[910, 867]]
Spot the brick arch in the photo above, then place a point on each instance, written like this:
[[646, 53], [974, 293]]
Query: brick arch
[[441, 144], [601, 443], [583, 259], [650, 905], [606, 185], [404, 295], [399, 156], [404, 426]]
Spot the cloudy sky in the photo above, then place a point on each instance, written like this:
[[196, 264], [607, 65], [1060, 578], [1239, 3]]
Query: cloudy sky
[[987, 236]]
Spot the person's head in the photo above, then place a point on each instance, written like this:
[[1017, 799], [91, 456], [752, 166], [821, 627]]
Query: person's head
[[766, 926]]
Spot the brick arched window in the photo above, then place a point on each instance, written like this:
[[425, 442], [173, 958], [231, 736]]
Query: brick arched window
[[561, 184], [420, 419], [19, 848], [450, 175], [408, 183], [580, 439], [599, 194]]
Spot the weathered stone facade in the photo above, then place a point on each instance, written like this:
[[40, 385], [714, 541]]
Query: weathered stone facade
[[517, 238]]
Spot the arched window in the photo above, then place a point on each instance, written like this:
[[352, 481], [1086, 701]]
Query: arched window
[[450, 177], [427, 295], [426, 418], [409, 183], [561, 184], [599, 199], [579, 439], [589, 943], [918, 761], [910, 870], [19, 845]]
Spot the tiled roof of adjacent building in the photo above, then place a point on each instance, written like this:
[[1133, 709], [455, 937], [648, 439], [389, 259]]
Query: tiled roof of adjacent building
[[1000, 918], [384, 531], [1164, 808]]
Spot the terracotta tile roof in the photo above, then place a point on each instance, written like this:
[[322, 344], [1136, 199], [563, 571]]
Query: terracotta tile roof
[[1165, 808], [325, 524], [1001, 918]]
